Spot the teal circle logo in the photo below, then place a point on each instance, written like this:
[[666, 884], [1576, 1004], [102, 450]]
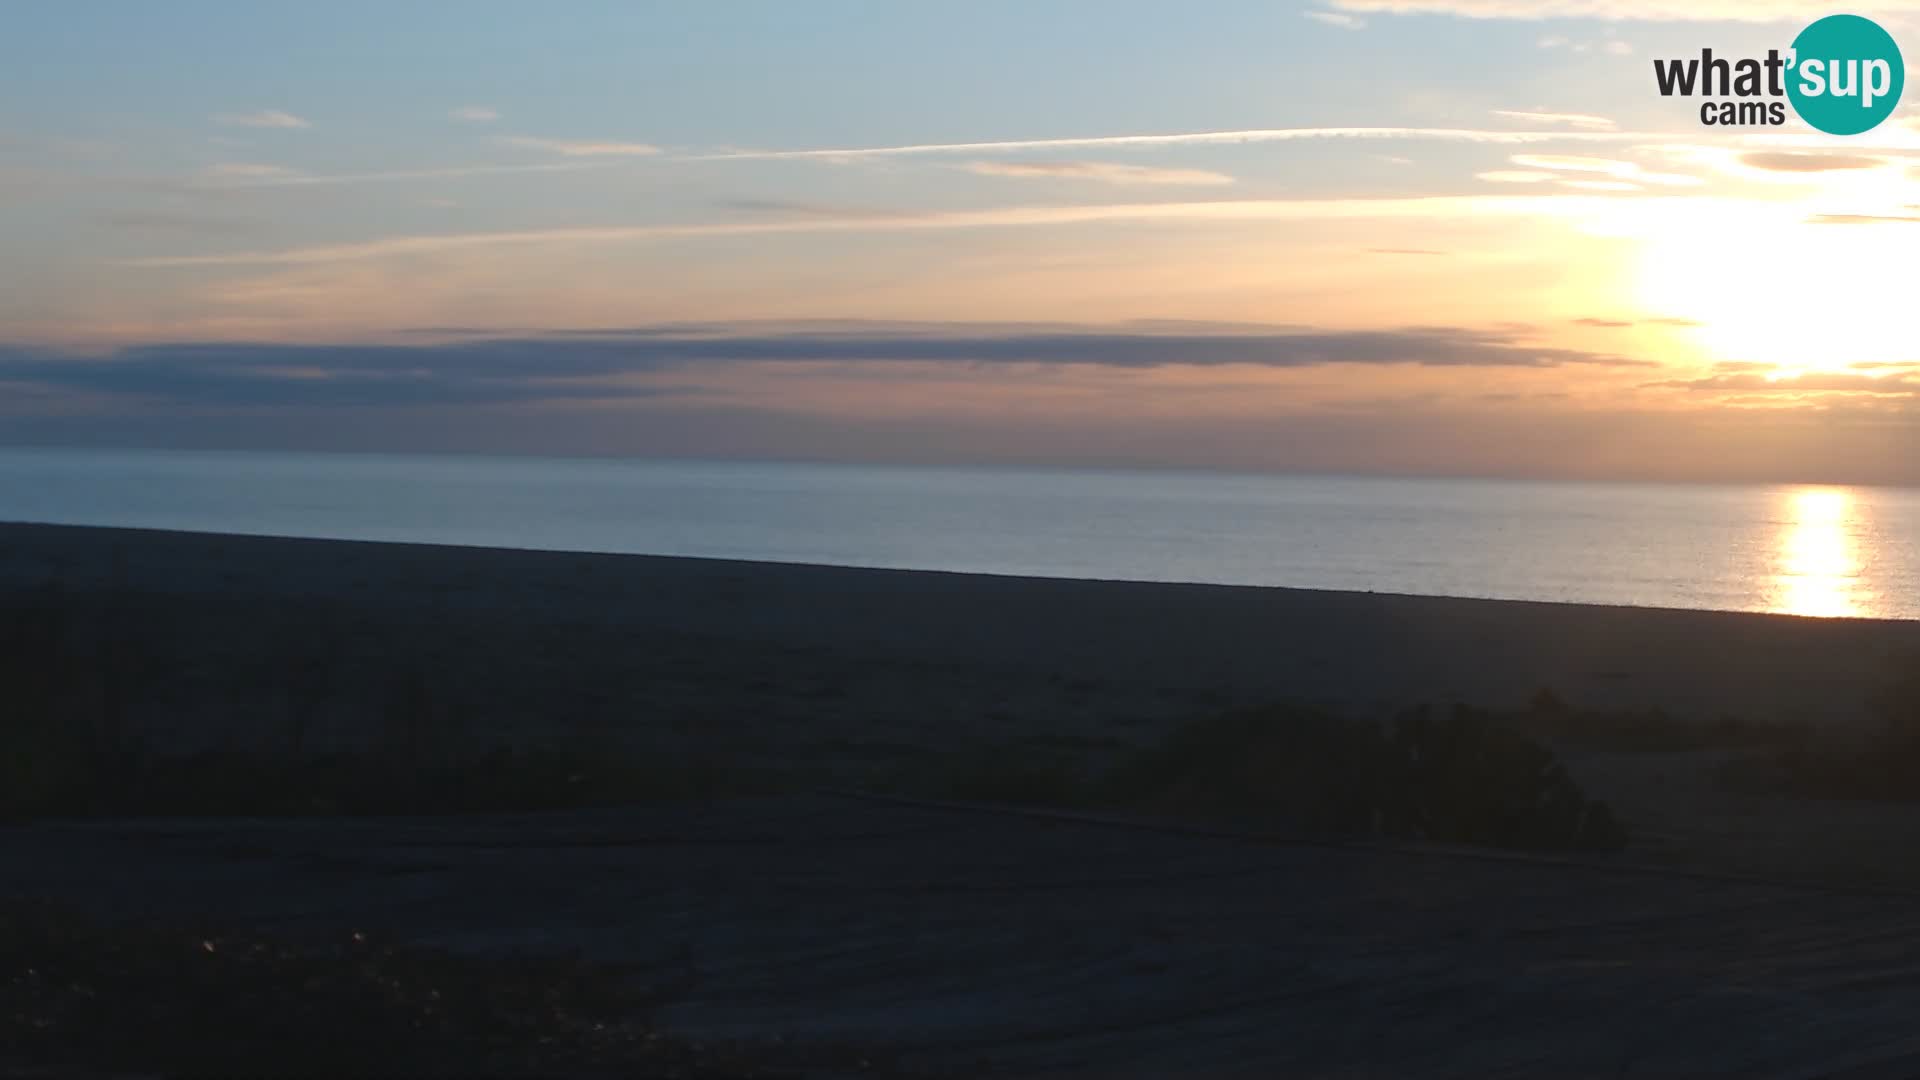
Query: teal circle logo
[[1845, 75]]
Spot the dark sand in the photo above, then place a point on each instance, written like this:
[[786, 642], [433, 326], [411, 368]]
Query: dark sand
[[705, 650], [840, 674], [989, 944]]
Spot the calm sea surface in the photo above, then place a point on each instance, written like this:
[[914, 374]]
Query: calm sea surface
[[1811, 551]]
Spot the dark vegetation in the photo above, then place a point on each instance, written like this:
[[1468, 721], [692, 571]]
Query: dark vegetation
[[1880, 764], [183, 1001], [74, 673], [1653, 730], [1462, 776]]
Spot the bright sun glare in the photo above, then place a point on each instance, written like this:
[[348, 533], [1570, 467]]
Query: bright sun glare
[[1775, 286], [1817, 565]]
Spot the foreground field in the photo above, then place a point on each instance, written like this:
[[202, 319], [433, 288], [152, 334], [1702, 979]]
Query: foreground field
[[986, 943]]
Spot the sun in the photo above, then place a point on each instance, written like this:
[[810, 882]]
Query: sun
[[1804, 293]]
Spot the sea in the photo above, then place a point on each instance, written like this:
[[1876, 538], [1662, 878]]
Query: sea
[[1815, 551]]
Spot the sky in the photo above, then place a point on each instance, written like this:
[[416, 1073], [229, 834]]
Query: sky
[[1384, 236]]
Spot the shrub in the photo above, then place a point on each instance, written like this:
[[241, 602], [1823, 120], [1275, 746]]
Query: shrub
[[1641, 730], [1882, 764], [1468, 778], [1462, 777]]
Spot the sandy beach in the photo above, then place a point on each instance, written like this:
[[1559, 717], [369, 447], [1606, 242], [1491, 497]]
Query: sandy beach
[[970, 937], [1000, 945], [702, 650], [837, 674]]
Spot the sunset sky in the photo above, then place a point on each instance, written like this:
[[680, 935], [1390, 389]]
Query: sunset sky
[[1405, 236]]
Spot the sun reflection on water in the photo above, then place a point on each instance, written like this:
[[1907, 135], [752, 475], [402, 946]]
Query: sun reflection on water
[[1817, 561]]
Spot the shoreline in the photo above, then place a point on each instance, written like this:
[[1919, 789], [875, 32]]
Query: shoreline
[[128, 532]]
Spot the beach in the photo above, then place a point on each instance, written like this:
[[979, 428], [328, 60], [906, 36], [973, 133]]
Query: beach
[[982, 938], [761, 656], [970, 944], [843, 677]]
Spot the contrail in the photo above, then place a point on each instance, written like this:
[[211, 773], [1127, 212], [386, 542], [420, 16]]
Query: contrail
[[1196, 138], [1441, 207], [324, 179]]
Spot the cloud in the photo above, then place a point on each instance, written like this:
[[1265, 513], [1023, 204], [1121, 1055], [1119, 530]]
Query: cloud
[[1614, 47], [1104, 172], [581, 147], [1224, 210], [1616, 324], [791, 208], [601, 364], [1863, 219], [1516, 176], [251, 176], [1638, 10], [475, 114], [1196, 138], [263, 118], [1404, 251], [1133, 345], [1789, 162], [1569, 133], [1625, 171], [1817, 382], [1576, 120], [323, 376], [1335, 18], [1785, 159], [1885, 139]]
